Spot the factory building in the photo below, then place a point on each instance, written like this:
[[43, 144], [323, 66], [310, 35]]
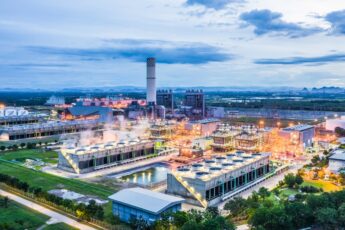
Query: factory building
[[194, 102], [139, 203], [331, 124], [95, 157], [21, 120], [166, 99], [98, 113], [52, 128], [151, 81], [203, 127], [210, 182], [161, 131], [299, 134]]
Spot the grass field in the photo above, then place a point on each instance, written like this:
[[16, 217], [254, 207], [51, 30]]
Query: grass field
[[20, 217], [22, 155], [48, 181], [325, 185], [59, 226]]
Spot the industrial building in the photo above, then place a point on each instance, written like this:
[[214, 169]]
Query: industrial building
[[194, 104], [166, 99], [90, 158], [160, 130], [248, 138], [211, 181], [203, 127], [299, 134], [13, 112], [51, 128], [21, 120], [331, 124], [337, 160], [99, 113], [139, 203]]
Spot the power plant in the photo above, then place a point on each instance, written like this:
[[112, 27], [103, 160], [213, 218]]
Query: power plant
[[151, 81]]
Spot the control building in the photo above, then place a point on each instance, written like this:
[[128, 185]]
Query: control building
[[210, 182]]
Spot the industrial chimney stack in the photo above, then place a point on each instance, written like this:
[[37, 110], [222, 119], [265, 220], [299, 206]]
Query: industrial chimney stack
[[151, 81]]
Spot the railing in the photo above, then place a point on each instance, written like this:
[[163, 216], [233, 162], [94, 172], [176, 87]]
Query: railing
[[191, 190], [71, 162]]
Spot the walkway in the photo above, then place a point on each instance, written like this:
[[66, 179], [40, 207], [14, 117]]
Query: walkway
[[56, 216]]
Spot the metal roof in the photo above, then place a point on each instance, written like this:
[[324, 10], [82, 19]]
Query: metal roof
[[144, 199], [338, 154], [299, 128]]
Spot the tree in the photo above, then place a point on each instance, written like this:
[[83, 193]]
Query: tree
[[2, 148], [22, 145], [236, 206], [290, 180], [327, 218], [341, 215], [213, 211], [301, 214], [191, 225], [298, 179], [263, 193], [179, 218], [271, 218]]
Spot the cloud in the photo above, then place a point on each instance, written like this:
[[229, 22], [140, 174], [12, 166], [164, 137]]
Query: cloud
[[337, 20], [303, 60], [138, 50], [213, 4], [266, 21]]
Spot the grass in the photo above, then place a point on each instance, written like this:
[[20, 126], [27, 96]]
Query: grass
[[22, 155], [327, 186], [20, 217], [48, 181], [59, 226]]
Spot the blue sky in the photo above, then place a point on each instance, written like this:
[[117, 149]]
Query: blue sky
[[84, 43]]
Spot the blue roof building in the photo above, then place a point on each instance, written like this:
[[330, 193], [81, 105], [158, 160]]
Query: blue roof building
[[139, 203]]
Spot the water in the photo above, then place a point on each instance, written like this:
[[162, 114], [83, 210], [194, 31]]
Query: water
[[147, 176]]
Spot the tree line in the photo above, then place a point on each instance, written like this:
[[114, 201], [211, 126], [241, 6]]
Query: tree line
[[81, 210]]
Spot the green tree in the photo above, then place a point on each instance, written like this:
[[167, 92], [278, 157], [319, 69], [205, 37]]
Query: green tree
[[271, 218], [263, 193], [301, 214], [341, 215], [179, 218], [298, 179], [326, 218], [290, 180], [2, 148], [236, 206]]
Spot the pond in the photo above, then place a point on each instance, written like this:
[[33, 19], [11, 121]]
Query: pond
[[147, 176]]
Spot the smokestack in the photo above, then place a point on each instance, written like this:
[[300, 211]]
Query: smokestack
[[151, 81]]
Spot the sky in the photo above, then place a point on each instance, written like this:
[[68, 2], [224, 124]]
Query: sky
[[105, 43]]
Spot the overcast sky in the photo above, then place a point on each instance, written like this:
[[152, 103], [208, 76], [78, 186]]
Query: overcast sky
[[84, 43]]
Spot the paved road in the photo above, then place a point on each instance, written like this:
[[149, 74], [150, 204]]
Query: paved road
[[56, 216]]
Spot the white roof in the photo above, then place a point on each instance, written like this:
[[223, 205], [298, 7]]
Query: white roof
[[145, 199], [338, 154]]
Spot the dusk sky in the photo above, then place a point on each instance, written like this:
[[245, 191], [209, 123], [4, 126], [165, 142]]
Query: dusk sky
[[104, 43]]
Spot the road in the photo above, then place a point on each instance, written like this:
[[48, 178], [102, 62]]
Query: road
[[56, 216]]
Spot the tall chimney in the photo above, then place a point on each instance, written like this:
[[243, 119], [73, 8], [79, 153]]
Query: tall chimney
[[151, 81]]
